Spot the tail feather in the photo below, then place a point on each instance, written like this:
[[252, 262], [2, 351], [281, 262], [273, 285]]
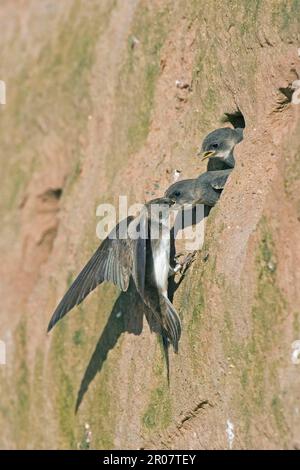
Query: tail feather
[[172, 324]]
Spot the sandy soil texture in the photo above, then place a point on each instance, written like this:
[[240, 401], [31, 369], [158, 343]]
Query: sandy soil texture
[[113, 98]]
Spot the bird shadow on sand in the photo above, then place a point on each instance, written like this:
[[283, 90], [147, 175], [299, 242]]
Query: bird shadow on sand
[[127, 315]]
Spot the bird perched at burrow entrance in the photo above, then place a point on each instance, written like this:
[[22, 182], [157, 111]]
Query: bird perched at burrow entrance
[[138, 248], [218, 147], [206, 189]]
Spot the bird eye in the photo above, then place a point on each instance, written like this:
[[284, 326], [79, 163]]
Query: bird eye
[[177, 193], [214, 146]]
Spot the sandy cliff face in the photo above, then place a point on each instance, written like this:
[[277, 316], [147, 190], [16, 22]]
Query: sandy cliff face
[[93, 111]]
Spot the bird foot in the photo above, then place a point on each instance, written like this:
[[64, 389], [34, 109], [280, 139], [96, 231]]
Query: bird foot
[[183, 266]]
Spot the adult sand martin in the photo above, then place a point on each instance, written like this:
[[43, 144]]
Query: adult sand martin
[[218, 147], [152, 266], [138, 248]]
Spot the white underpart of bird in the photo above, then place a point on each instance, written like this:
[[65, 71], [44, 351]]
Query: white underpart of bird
[[155, 293], [161, 261]]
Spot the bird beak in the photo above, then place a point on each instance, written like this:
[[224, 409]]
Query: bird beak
[[208, 154], [167, 200]]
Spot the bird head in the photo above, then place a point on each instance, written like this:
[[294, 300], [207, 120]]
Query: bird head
[[182, 193], [220, 143], [159, 209]]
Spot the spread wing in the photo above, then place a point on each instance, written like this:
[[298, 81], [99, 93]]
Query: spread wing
[[219, 178], [112, 261]]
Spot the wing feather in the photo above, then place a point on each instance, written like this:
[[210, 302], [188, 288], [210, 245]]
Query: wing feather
[[140, 247], [112, 261]]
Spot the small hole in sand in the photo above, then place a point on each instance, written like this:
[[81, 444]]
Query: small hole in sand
[[236, 119], [283, 98], [53, 194], [287, 93]]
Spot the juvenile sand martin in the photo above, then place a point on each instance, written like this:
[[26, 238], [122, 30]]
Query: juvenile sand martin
[[218, 147], [206, 189]]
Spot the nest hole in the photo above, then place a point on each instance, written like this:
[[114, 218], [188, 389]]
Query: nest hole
[[236, 119], [53, 194]]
